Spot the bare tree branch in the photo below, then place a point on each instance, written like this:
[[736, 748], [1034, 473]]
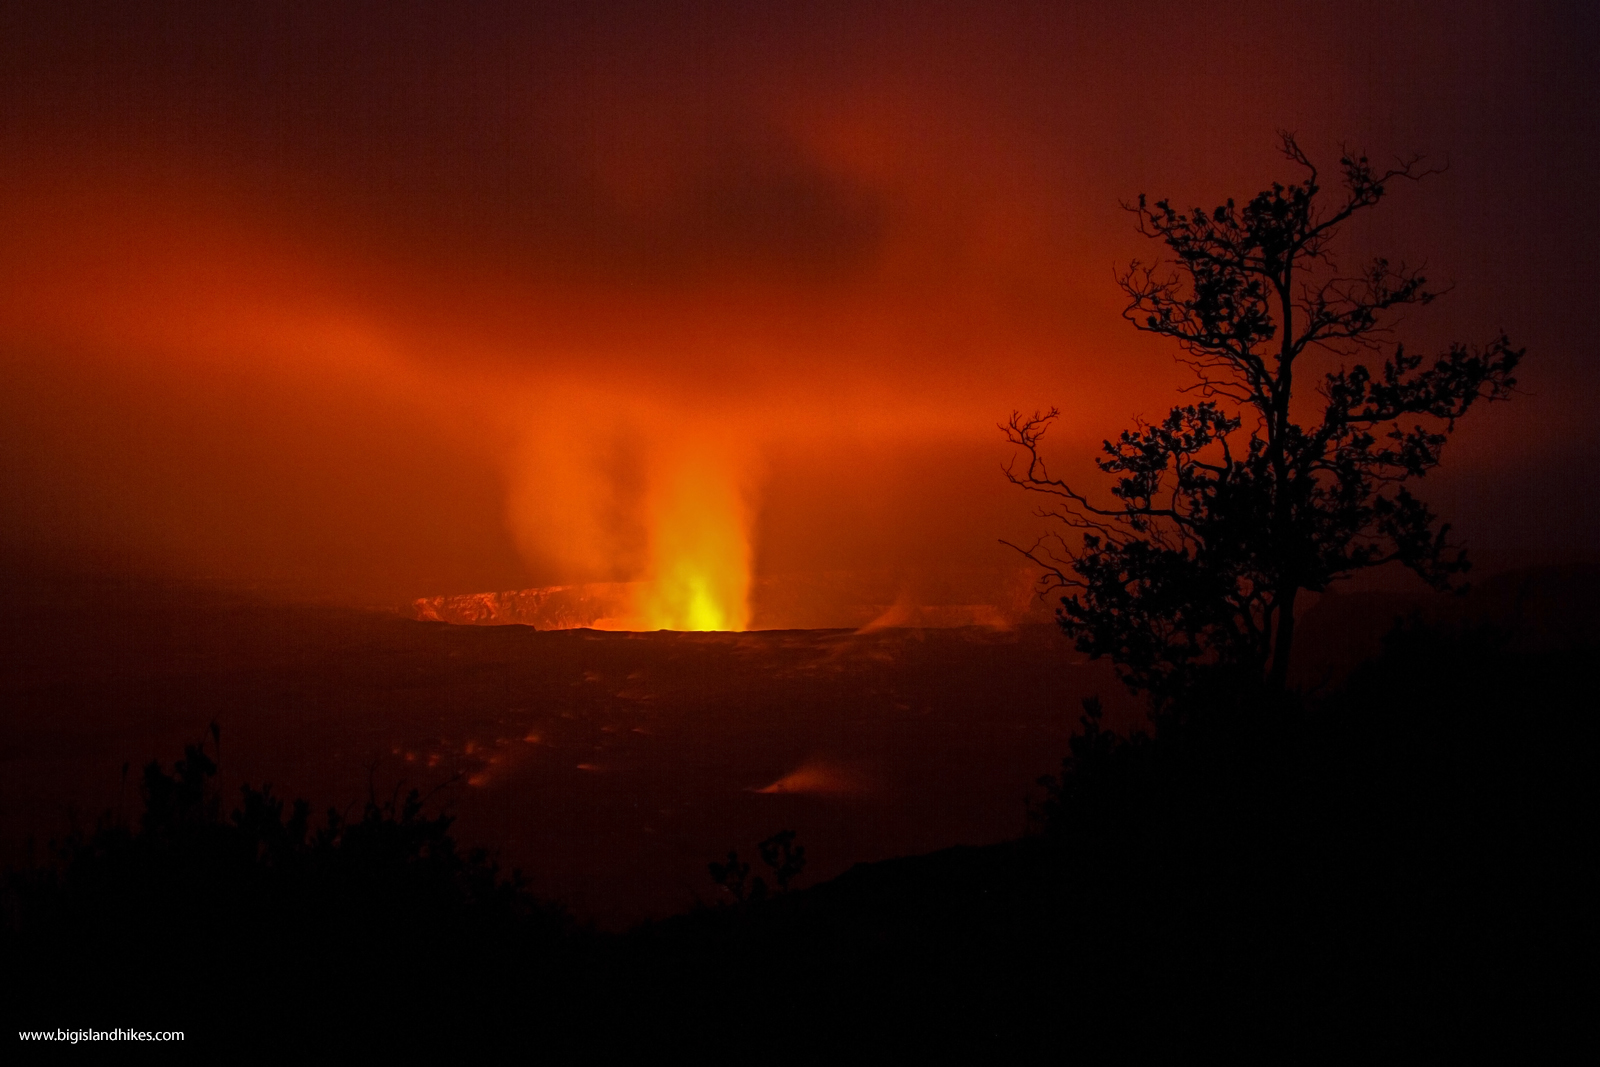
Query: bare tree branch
[[1220, 514]]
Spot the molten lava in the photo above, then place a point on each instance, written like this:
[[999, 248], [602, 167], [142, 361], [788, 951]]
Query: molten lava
[[647, 518], [698, 575]]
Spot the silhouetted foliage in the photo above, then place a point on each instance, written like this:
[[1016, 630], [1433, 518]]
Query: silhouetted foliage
[[1093, 754], [1413, 854], [1399, 863], [1410, 856], [733, 877], [784, 860], [1224, 511], [352, 910]]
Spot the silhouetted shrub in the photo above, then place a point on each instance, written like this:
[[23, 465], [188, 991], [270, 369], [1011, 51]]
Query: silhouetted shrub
[[1407, 851], [1414, 854], [784, 861], [197, 913]]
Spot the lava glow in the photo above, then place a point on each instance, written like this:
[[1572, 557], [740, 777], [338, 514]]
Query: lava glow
[[655, 318], [699, 551], [817, 778], [644, 498]]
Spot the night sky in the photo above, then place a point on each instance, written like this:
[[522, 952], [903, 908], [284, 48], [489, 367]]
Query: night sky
[[373, 301]]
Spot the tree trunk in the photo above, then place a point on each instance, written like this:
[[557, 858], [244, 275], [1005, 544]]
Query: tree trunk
[[1283, 641]]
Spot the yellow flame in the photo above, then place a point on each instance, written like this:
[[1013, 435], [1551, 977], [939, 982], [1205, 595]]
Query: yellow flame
[[699, 552], [655, 502]]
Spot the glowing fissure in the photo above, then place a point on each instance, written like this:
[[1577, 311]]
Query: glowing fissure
[[699, 548], [657, 509], [686, 600]]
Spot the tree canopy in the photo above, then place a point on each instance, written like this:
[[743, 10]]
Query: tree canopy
[[1224, 511]]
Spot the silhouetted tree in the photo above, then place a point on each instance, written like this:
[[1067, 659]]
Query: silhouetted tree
[[783, 858], [362, 908], [1225, 510]]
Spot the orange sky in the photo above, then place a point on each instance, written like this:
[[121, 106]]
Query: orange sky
[[375, 301]]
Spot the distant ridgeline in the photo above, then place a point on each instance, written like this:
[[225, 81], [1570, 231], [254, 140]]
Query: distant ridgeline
[[1543, 605], [1406, 859], [850, 600], [552, 607]]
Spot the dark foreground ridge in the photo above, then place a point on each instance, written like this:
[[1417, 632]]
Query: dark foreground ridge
[[1413, 854]]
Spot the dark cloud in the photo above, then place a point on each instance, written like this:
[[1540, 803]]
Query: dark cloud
[[839, 238], [544, 138]]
